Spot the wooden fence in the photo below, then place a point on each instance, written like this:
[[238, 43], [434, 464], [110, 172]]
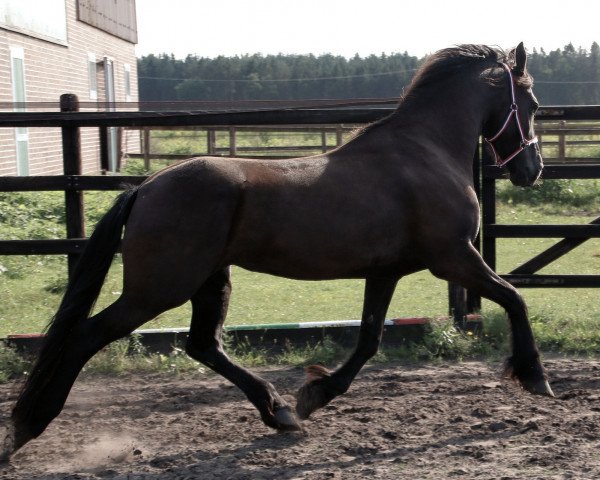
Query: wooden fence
[[73, 183], [231, 148], [572, 142]]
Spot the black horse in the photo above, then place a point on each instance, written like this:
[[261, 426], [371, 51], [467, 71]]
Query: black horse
[[396, 199]]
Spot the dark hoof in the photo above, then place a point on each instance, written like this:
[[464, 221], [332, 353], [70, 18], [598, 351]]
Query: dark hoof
[[285, 420], [311, 397], [538, 387]]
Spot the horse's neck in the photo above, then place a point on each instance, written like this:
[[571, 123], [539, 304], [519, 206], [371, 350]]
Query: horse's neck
[[450, 119], [444, 124]]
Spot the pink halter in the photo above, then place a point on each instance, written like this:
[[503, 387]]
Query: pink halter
[[514, 112]]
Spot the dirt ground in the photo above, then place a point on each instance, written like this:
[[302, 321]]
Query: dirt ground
[[397, 421]]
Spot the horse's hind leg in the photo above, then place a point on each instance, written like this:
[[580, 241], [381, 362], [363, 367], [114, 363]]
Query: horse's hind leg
[[323, 386], [40, 403], [209, 308], [464, 265]]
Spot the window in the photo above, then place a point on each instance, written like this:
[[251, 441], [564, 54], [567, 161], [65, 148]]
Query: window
[[92, 76], [127, 78], [42, 19], [17, 64]]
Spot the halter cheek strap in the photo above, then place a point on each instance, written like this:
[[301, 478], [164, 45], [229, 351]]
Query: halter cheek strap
[[513, 113]]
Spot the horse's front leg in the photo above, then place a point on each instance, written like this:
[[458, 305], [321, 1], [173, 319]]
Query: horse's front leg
[[323, 386], [209, 309], [463, 265]]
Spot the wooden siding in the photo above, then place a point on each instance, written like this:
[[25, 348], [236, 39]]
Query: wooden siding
[[51, 70], [116, 17]]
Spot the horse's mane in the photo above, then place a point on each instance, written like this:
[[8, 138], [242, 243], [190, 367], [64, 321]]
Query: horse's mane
[[445, 63], [448, 61]]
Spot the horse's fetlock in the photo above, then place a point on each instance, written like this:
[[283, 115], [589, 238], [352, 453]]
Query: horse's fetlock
[[524, 369]]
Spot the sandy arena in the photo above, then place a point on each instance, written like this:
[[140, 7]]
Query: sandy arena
[[397, 421]]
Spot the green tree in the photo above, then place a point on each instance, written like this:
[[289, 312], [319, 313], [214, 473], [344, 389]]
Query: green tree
[[567, 76]]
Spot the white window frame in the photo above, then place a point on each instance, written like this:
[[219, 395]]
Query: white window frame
[[21, 133], [16, 53], [92, 76], [127, 81]]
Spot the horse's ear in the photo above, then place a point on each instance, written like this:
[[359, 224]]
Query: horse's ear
[[520, 60]]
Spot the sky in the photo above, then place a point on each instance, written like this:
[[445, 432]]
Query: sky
[[347, 27]]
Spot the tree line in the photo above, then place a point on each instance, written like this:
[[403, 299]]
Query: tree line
[[566, 76]]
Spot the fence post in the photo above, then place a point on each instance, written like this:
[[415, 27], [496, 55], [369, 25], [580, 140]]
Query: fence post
[[232, 142], [146, 146], [457, 299], [104, 163], [119, 159], [71, 144], [562, 143], [462, 302], [324, 141], [339, 132], [488, 213], [473, 299], [487, 202], [211, 141]]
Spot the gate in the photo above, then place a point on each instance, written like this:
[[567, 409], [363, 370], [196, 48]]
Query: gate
[[556, 121]]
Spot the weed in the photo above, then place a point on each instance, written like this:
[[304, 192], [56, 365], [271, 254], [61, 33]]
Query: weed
[[495, 332], [12, 363], [325, 352], [57, 286], [135, 167], [112, 359], [176, 362], [247, 355]]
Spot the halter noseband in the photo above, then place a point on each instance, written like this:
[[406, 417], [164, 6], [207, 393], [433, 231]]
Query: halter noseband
[[514, 112]]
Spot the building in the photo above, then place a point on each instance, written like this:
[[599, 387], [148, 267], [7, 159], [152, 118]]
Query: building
[[51, 47]]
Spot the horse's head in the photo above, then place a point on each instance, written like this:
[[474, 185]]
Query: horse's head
[[509, 130]]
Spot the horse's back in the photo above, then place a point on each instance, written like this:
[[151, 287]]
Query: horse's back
[[316, 217]]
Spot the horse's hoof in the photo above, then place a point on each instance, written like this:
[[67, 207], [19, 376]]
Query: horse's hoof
[[539, 387], [286, 421]]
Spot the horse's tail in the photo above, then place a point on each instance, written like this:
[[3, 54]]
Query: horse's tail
[[82, 291]]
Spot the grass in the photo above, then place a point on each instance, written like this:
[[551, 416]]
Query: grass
[[30, 286], [563, 320], [441, 342], [30, 289]]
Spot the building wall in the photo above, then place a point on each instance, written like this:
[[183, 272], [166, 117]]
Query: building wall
[[52, 69]]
